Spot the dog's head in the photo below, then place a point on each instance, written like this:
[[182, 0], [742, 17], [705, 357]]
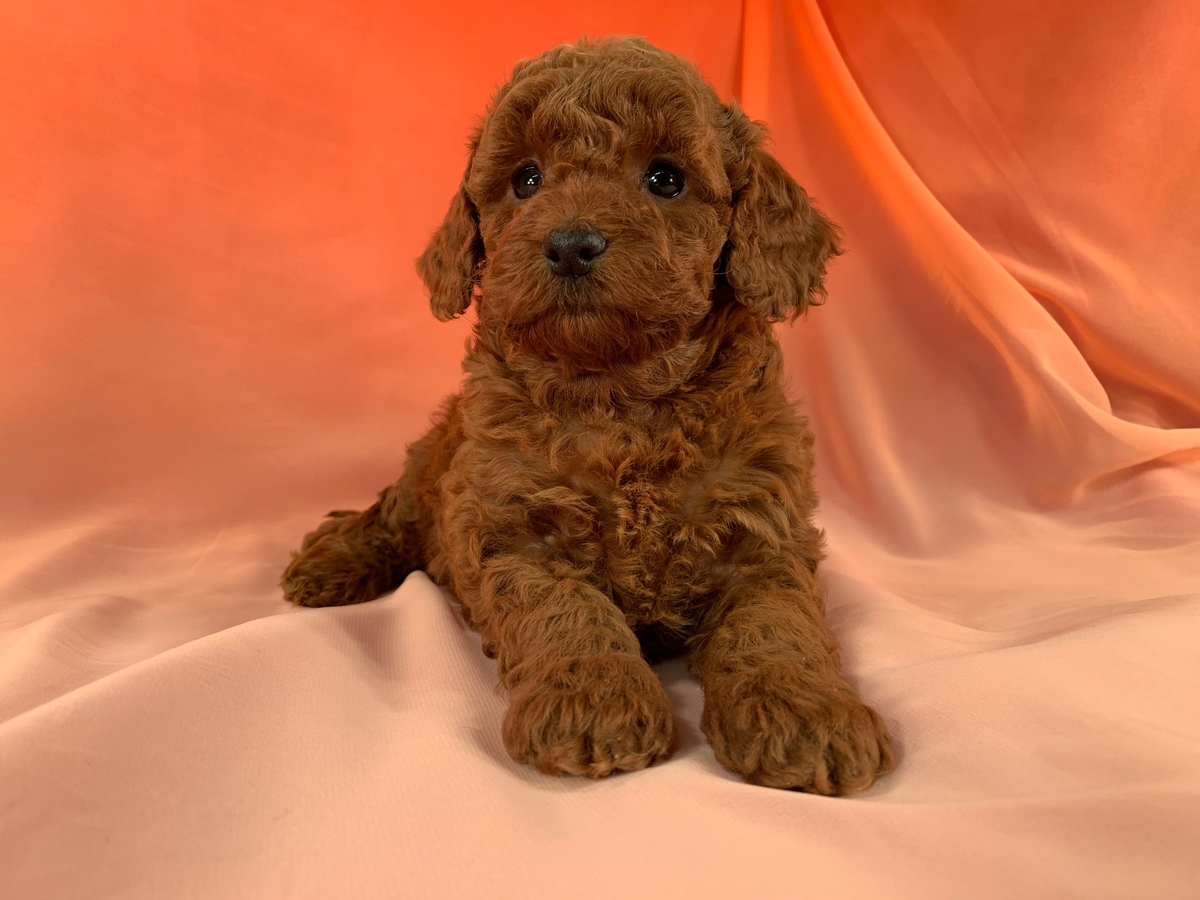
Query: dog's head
[[608, 195]]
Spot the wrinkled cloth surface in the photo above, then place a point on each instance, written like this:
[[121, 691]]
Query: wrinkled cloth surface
[[212, 334]]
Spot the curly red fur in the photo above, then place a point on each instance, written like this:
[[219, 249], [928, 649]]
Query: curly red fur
[[622, 473]]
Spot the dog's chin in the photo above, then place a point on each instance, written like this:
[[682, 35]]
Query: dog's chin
[[596, 332], [593, 341], [617, 318]]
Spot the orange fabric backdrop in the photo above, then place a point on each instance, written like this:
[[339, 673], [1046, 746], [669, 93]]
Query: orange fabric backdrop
[[211, 333], [210, 215]]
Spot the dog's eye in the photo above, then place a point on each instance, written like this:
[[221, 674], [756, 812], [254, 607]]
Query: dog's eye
[[526, 182], [664, 180]]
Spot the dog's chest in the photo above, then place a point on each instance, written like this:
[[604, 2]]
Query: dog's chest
[[647, 489]]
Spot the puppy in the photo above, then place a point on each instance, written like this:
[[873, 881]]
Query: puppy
[[622, 476]]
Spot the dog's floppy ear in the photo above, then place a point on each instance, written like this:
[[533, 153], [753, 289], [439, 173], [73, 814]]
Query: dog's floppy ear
[[450, 264], [778, 242]]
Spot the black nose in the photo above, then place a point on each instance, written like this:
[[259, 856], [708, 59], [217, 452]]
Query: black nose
[[571, 251]]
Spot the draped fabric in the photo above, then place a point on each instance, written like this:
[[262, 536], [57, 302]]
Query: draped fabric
[[212, 333]]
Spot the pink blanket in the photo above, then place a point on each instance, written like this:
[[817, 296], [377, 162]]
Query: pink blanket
[[211, 334]]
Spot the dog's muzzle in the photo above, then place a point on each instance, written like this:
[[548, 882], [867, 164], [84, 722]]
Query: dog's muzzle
[[571, 252]]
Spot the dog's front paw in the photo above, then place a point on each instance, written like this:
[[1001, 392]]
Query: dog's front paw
[[784, 728], [590, 716]]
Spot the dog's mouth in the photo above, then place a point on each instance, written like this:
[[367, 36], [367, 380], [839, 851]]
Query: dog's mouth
[[595, 331], [631, 305], [575, 300]]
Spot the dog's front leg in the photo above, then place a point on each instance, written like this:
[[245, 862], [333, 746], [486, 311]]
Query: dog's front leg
[[777, 708], [583, 701]]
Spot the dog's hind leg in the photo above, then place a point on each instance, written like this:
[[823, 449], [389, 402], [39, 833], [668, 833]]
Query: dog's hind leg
[[357, 556], [351, 557]]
